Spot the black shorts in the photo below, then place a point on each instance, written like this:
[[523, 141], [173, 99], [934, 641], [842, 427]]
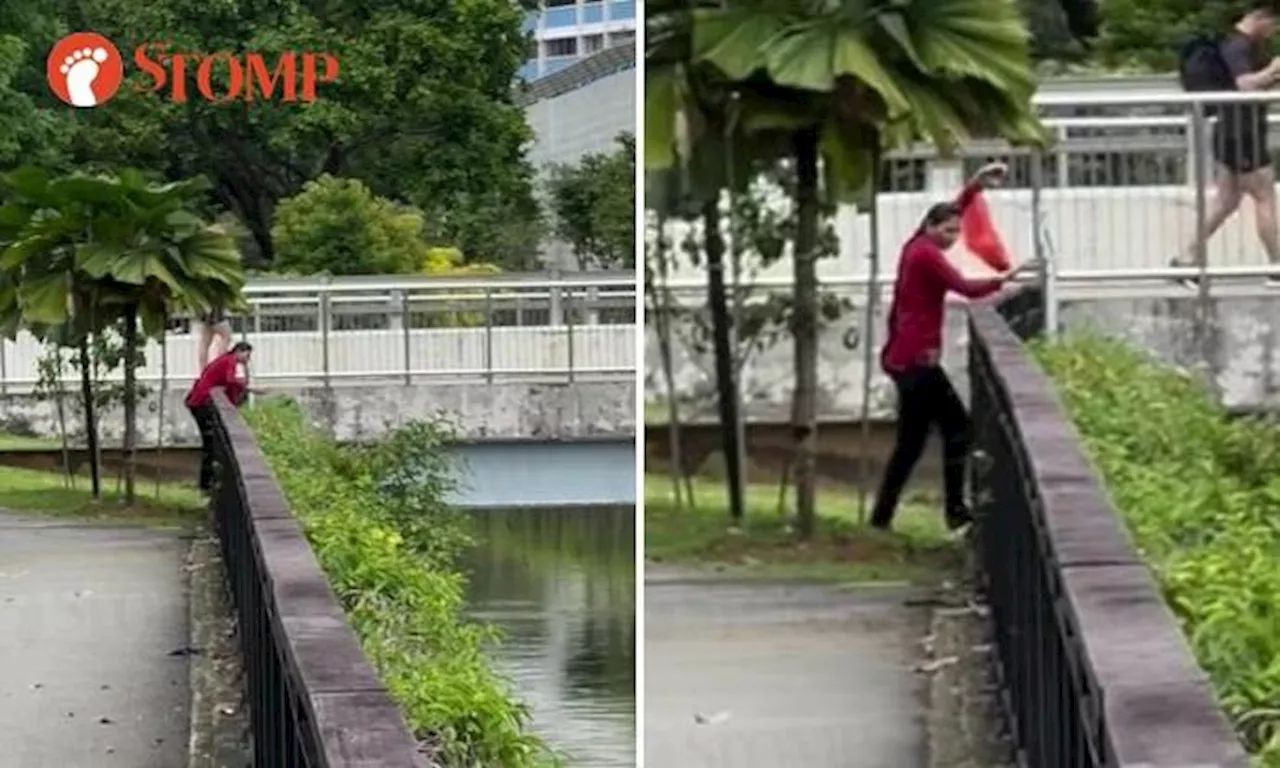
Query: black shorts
[[1240, 142]]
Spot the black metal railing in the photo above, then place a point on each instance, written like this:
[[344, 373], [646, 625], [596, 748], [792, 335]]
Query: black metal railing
[[314, 700], [1095, 671]]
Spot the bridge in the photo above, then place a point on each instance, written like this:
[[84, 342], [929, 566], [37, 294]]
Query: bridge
[[525, 366]]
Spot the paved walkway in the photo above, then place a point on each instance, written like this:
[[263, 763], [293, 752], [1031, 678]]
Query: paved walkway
[[747, 674], [88, 618]]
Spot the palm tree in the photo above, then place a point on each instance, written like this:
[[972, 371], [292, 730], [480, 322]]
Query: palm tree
[[92, 252], [834, 83]]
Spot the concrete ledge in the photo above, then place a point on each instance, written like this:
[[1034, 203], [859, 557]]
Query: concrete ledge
[[497, 411], [310, 685], [1129, 693]]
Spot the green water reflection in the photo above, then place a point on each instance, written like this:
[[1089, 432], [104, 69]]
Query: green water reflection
[[561, 586]]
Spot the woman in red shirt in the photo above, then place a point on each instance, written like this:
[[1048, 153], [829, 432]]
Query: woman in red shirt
[[912, 354], [222, 372]]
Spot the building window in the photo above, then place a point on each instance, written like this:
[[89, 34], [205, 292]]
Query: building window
[[622, 38], [559, 3], [622, 9], [592, 13], [563, 46], [592, 44], [566, 16]]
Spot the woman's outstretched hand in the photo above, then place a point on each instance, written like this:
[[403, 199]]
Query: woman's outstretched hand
[[992, 175]]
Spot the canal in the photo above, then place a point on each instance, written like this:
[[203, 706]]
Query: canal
[[560, 585]]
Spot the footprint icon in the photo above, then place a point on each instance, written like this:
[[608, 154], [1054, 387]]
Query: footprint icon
[[81, 69]]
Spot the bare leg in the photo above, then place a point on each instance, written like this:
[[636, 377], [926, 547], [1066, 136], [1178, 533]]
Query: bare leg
[[221, 339], [1224, 203], [1261, 186]]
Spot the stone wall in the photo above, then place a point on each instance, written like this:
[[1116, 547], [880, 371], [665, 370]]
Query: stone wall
[[1245, 363], [481, 411]]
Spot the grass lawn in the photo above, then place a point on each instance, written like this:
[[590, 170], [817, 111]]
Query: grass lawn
[[918, 551], [26, 491], [24, 443]]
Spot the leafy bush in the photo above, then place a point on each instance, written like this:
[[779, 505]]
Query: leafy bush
[[1199, 492], [376, 518], [339, 227]]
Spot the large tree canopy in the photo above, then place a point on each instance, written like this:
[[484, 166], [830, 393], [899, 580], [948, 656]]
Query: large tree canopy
[[421, 112]]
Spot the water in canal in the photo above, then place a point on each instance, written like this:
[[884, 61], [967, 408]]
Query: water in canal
[[560, 584]]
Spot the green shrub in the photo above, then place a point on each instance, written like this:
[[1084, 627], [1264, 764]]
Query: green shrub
[[1201, 494], [376, 518]]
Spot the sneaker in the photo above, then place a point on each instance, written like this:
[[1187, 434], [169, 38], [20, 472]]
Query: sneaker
[[1186, 282]]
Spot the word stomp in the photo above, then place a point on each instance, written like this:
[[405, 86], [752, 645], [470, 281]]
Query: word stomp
[[226, 77]]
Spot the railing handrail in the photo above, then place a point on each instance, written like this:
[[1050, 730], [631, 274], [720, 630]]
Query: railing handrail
[[1170, 99], [387, 283], [1138, 696], [334, 711]]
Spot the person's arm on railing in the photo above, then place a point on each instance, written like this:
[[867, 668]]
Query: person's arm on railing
[[973, 288]]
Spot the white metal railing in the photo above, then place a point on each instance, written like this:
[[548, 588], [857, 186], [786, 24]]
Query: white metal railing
[[1123, 191], [354, 331]]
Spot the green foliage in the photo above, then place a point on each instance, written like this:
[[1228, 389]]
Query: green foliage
[[864, 78], [88, 250], [594, 206], [376, 518], [1147, 35], [761, 225], [1199, 493], [339, 227], [422, 111]]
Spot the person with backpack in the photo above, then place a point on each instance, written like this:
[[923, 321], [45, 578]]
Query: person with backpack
[[1238, 62]]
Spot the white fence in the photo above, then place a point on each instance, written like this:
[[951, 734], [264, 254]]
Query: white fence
[[355, 331], [1122, 189]]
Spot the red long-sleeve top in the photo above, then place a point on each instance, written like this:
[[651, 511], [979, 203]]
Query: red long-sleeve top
[[222, 372], [919, 298]]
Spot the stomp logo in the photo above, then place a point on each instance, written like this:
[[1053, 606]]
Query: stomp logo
[[85, 69]]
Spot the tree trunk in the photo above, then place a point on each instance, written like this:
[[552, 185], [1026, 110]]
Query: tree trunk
[[90, 419], [661, 296], [130, 404], [724, 356], [804, 417]]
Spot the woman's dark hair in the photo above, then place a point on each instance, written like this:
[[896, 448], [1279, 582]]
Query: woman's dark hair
[[937, 214], [941, 212], [242, 346]]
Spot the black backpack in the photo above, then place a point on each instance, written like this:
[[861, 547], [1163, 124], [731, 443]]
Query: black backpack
[[1202, 68]]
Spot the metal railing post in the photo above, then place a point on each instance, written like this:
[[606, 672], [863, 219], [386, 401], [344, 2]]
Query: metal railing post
[[324, 336], [1048, 276], [488, 335], [1199, 137], [568, 321], [404, 334], [556, 315]]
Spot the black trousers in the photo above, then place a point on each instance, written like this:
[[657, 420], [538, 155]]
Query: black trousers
[[925, 398], [204, 420]]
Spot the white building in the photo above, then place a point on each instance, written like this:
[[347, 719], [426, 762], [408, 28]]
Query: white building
[[579, 110], [567, 31]]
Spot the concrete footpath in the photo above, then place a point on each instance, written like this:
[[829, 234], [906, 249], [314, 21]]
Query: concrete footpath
[[747, 674], [90, 618]]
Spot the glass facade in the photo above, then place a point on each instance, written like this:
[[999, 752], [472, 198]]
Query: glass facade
[[568, 31]]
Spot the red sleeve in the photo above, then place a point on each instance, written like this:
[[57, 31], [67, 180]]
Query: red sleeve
[[225, 377], [936, 262], [968, 195]]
